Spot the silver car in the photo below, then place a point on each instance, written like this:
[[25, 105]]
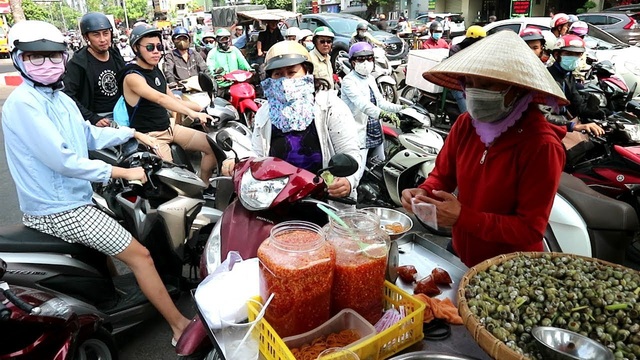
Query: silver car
[[622, 25]]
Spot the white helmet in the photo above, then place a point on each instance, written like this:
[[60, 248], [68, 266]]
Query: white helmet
[[35, 35], [293, 31], [303, 34]]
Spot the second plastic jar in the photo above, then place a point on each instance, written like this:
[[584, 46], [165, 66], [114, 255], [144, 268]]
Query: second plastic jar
[[297, 265], [361, 263]]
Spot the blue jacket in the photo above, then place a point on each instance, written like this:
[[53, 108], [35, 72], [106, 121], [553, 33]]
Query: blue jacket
[[47, 143]]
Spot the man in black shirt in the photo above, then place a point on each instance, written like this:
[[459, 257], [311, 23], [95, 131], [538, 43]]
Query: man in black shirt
[[91, 73], [268, 37]]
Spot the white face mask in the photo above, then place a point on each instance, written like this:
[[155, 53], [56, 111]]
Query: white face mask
[[364, 68], [487, 105]]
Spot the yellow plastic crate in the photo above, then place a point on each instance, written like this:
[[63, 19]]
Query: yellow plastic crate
[[401, 335]]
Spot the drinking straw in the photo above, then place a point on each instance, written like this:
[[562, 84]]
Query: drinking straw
[[258, 317]]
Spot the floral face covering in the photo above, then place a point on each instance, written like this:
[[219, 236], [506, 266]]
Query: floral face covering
[[291, 102]]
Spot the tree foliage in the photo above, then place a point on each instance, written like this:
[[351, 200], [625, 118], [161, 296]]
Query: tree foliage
[[276, 4], [33, 11]]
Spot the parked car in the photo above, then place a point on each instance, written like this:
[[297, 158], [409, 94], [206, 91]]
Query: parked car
[[622, 25], [600, 44], [344, 27], [456, 24], [633, 8]]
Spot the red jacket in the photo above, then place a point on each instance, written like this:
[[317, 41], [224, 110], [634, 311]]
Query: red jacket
[[432, 44], [506, 190]]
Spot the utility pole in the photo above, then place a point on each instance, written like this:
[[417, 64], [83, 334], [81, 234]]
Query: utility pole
[[64, 22], [126, 16], [294, 6], [16, 10]]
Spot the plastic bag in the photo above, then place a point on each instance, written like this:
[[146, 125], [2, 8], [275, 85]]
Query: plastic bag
[[425, 212], [120, 114], [224, 293]]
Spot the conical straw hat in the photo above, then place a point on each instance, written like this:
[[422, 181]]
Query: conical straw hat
[[503, 56]]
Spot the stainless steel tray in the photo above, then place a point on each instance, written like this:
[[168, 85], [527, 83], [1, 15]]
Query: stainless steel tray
[[425, 255]]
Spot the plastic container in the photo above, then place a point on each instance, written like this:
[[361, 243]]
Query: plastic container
[[344, 320], [297, 265], [361, 263], [398, 337]]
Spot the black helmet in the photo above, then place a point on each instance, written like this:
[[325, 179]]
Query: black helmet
[[94, 21], [141, 31]]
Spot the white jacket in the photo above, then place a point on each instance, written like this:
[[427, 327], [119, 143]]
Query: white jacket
[[334, 124], [355, 93]]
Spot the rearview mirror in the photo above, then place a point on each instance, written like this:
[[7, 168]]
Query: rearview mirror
[[224, 141], [206, 84], [342, 165]]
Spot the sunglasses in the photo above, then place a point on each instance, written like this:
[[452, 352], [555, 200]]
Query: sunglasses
[[151, 47], [361, 59], [38, 59], [208, 41], [325, 41]]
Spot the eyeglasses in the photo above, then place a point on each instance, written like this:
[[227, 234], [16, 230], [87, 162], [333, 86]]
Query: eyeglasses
[[325, 41], [38, 59], [151, 47], [361, 59], [208, 41]]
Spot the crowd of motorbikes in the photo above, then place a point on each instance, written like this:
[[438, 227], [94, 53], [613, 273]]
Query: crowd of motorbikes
[[62, 300]]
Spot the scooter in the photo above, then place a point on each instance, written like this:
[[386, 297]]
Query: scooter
[[293, 193], [165, 214], [38, 325], [382, 72], [243, 95]]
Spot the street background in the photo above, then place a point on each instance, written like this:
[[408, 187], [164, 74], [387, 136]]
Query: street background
[[149, 340]]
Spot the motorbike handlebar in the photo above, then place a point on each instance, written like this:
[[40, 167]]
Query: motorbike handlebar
[[15, 300]]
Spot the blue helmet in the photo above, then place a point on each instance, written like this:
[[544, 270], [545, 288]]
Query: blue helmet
[[180, 31]]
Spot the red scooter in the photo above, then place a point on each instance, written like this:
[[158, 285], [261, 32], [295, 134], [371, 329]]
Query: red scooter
[[38, 325], [243, 95], [269, 191]]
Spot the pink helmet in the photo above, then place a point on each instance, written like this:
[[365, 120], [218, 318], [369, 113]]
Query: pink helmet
[[559, 20], [571, 43], [579, 28]]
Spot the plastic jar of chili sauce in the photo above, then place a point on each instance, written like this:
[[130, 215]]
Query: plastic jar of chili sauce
[[361, 263], [297, 265]]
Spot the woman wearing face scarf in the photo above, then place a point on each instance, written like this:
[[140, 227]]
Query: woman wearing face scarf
[[502, 155], [303, 126]]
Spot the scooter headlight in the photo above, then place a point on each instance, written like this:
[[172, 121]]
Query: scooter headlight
[[259, 194], [211, 253], [633, 131]]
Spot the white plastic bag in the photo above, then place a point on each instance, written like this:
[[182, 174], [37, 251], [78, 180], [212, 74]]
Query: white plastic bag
[[224, 293], [425, 212]]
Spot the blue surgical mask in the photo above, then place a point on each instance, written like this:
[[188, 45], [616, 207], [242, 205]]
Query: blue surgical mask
[[436, 36], [569, 63], [209, 46], [309, 46]]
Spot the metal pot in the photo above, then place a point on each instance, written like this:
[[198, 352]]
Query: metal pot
[[429, 355]]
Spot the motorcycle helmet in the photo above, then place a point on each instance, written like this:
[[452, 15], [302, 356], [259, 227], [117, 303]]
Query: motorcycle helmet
[[292, 32], [94, 21], [559, 20], [360, 49], [361, 26], [435, 26], [33, 35], [209, 35], [323, 31], [579, 28], [571, 43], [141, 31], [287, 53], [532, 34], [475, 32], [573, 18], [303, 34], [223, 37], [180, 31]]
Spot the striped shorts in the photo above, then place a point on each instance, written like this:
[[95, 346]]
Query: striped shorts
[[85, 225]]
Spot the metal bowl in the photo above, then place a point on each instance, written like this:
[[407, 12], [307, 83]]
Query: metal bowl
[[561, 344], [390, 216], [429, 355]]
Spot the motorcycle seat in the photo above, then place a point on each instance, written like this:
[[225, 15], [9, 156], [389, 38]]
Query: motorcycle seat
[[598, 211], [630, 152], [21, 239]]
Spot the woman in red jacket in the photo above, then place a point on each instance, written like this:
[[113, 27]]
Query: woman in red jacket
[[502, 155]]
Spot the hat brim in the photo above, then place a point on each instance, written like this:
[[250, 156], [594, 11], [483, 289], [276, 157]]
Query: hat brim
[[281, 61], [41, 45], [362, 53], [575, 49], [502, 57]]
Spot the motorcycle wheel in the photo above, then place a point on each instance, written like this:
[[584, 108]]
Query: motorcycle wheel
[[248, 117], [99, 346], [410, 93], [389, 92]]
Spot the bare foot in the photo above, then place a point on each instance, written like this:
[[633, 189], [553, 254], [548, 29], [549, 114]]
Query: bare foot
[[177, 330]]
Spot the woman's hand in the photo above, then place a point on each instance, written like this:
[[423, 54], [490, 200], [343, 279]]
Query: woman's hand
[[591, 128], [147, 140], [204, 118], [447, 210], [130, 174], [227, 167], [409, 194], [339, 188]]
